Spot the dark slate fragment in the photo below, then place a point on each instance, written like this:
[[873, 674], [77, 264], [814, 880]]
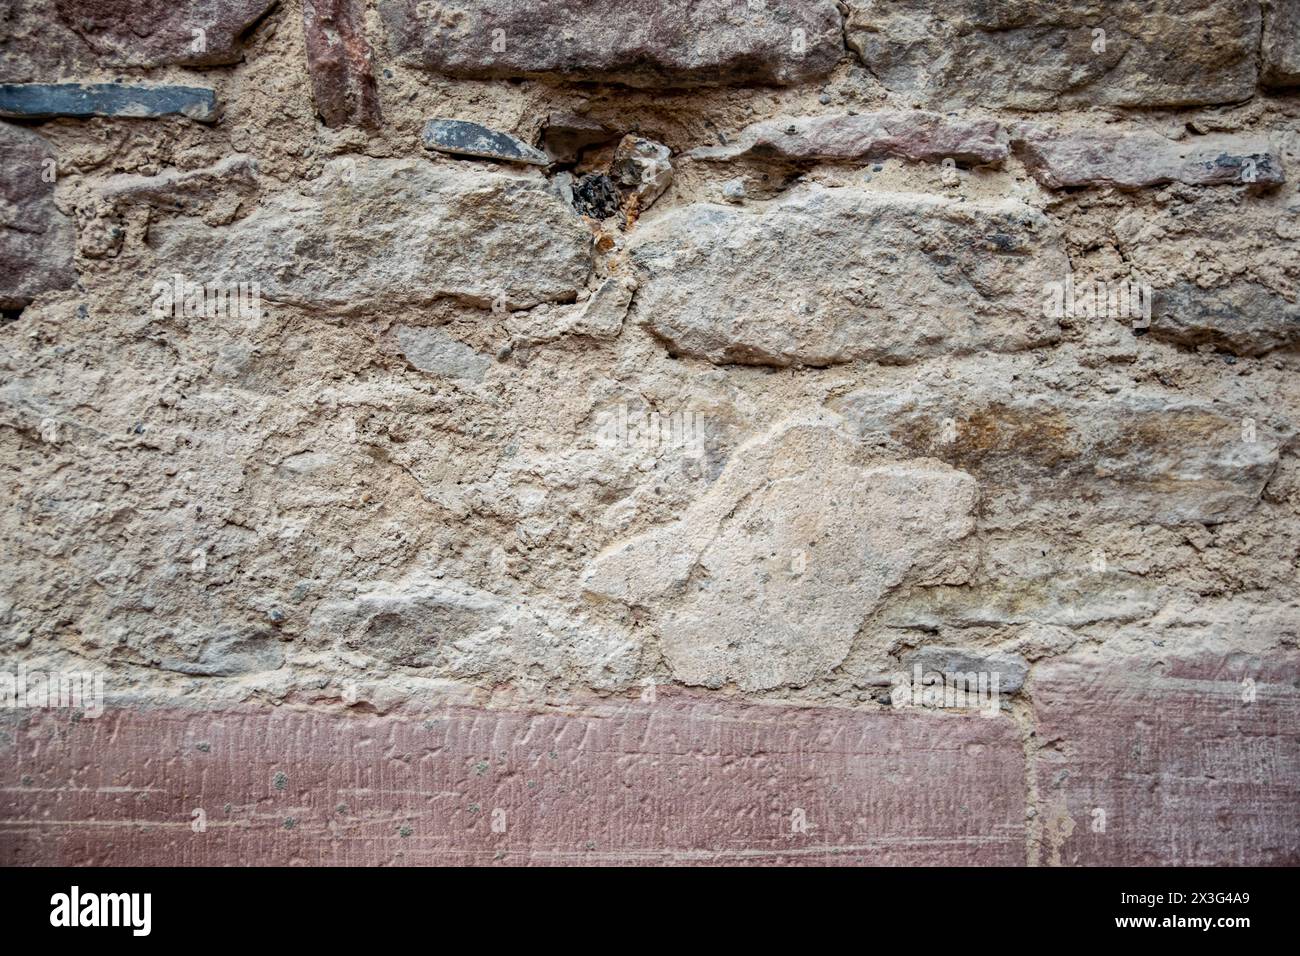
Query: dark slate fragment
[[81, 100], [596, 196], [463, 138]]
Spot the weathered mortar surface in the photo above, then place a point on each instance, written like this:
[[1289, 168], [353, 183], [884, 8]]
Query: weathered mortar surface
[[389, 490]]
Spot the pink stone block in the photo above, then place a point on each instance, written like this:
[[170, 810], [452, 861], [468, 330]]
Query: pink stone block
[[1168, 762], [680, 780]]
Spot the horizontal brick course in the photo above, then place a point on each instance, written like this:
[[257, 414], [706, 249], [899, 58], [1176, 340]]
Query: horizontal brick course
[[675, 781], [1184, 771]]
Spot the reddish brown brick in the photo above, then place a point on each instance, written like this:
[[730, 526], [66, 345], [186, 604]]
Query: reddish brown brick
[[39, 256], [676, 781], [339, 60], [1184, 770]]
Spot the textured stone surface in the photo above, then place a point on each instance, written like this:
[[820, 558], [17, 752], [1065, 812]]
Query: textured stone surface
[[1169, 759], [161, 32], [1009, 668], [1219, 277], [506, 458], [190, 191], [566, 135], [492, 236], [37, 241], [81, 100], [1242, 317], [1131, 159], [1040, 54], [339, 60], [1280, 59], [460, 138], [1149, 456], [44, 40], [1060, 600], [637, 42], [225, 653], [642, 167], [599, 317], [433, 350], [766, 579], [893, 277], [602, 315], [913, 135], [677, 781], [465, 632]]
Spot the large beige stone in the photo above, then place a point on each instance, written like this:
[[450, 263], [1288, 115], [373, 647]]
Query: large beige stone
[[457, 630], [386, 232], [1132, 158], [825, 276], [913, 135], [767, 577], [1147, 456]]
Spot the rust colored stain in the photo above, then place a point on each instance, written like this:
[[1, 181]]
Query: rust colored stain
[[674, 781]]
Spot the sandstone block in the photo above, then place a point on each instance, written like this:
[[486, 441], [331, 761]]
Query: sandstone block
[[636, 42], [37, 242], [1135, 158], [677, 781], [1187, 760], [1045, 54], [1280, 48], [1140, 456], [1219, 277], [339, 61], [46, 40], [914, 135], [767, 577], [392, 231], [163, 32], [826, 276]]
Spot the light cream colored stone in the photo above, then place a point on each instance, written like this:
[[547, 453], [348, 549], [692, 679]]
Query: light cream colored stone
[[824, 276], [766, 579], [378, 233]]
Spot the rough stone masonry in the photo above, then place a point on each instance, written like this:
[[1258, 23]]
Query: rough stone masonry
[[650, 431]]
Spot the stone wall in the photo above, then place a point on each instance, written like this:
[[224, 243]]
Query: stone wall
[[610, 431]]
